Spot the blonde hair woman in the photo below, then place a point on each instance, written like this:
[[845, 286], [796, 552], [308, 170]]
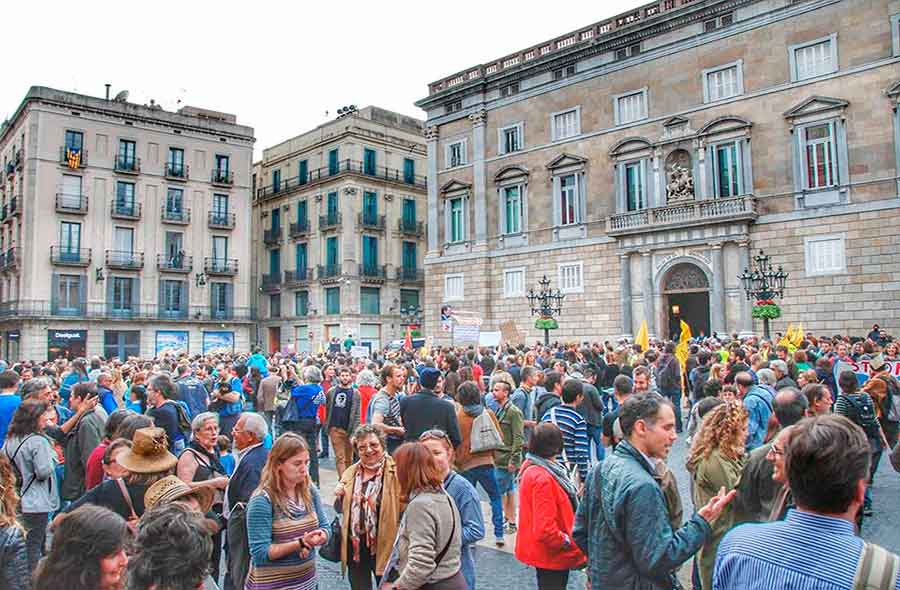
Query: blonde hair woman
[[285, 520], [715, 464], [15, 573]]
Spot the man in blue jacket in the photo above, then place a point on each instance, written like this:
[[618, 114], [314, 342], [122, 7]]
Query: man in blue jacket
[[623, 524], [758, 400], [105, 393]]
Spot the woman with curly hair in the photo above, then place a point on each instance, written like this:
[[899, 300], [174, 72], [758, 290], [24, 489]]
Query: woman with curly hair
[[14, 572], [88, 552], [715, 464]]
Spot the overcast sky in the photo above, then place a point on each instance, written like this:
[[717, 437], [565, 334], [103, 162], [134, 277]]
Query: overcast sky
[[278, 66]]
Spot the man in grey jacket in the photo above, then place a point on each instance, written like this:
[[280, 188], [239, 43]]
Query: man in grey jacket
[[81, 440], [622, 523]]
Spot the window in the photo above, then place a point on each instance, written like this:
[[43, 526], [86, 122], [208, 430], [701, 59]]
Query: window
[[512, 204], [718, 22], [510, 139], [331, 207], [370, 256], [509, 89], [409, 171], [176, 162], [220, 300], [220, 249], [569, 206], [220, 205], [173, 298], [369, 300], [635, 181], [275, 305], [68, 294], [456, 154], [631, 107], [331, 253], [409, 213], [303, 213], [452, 107], [370, 208], [301, 259], [301, 303], [125, 198], [457, 233], [627, 52], [566, 124], [223, 164], [122, 296], [174, 202], [727, 180], [74, 141], [819, 155], [127, 152], [409, 257], [69, 240], [453, 287], [121, 344], [564, 72], [514, 282], [303, 172], [825, 255], [409, 299], [816, 58], [333, 300], [333, 162], [369, 161], [723, 82], [123, 243], [895, 34], [570, 277], [71, 192], [276, 181]]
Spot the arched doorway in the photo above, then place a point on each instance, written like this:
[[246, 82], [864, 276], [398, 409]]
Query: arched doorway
[[686, 296]]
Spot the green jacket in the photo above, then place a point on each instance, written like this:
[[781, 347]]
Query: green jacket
[[512, 429]]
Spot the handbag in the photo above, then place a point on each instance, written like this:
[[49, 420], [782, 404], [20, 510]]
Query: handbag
[[484, 434], [332, 549]]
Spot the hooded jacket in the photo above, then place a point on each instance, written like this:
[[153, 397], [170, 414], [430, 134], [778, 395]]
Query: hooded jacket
[[543, 404]]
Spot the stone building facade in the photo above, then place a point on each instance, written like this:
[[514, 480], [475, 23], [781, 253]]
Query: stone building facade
[[123, 229], [338, 232], [642, 161]]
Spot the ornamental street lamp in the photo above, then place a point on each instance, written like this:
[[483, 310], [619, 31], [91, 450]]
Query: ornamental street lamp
[[762, 282], [411, 316], [546, 304]]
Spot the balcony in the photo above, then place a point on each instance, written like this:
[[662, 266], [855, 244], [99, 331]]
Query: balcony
[[344, 167], [104, 310], [219, 220], [66, 256], [298, 229], [15, 208], [372, 273], [71, 204], [9, 260], [124, 165], [272, 237], [175, 216], [271, 282], [329, 221], [297, 277], [124, 260], [125, 210], [410, 275], [226, 267], [221, 177], [682, 215], [411, 227], [178, 263], [177, 171], [73, 159], [19, 159], [328, 272], [371, 222]]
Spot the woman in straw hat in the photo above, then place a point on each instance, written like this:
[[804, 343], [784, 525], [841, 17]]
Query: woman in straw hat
[[285, 520], [171, 489], [147, 461]]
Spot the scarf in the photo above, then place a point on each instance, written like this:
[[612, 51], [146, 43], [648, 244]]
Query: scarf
[[213, 461], [559, 474], [365, 496], [473, 410]]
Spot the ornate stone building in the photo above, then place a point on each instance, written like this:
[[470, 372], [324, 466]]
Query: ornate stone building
[[640, 161]]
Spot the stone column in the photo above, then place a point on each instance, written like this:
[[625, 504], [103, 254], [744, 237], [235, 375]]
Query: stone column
[[433, 229], [717, 293], [479, 184], [745, 324], [625, 292], [649, 311]]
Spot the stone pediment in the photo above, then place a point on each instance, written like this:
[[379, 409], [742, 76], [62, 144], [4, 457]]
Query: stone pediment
[[564, 160], [676, 121], [453, 185], [724, 124], [815, 105], [629, 145], [510, 172]]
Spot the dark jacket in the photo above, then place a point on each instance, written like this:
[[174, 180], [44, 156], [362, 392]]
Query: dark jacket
[[668, 373], [623, 526], [544, 402], [591, 408], [424, 411], [701, 376], [192, 392], [14, 573], [246, 476], [80, 443], [756, 489]]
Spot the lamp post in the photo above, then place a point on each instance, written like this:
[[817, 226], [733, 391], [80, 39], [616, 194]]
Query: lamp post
[[547, 303], [411, 316], [762, 282]]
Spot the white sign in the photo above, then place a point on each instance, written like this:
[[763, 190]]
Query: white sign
[[489, 338], [359, 351]]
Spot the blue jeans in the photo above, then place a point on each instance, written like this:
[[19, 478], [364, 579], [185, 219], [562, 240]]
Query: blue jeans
[[594, 433], [484, 474], [674, 396]]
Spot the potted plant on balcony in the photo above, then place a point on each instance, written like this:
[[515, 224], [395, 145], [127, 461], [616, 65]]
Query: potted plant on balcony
[[765, 309]]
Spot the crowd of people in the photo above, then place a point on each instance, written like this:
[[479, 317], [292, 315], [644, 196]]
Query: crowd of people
[[186, 472]]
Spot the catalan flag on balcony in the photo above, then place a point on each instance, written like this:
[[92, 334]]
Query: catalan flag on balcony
[[73, 158]]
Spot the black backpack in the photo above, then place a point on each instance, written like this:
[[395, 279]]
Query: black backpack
[[862, 413]]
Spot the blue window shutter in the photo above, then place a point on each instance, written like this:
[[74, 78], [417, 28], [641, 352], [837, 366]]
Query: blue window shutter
[[54, 294], [161, 301], [229, 300], [110, 304], [136, 296], [185, 303], [82, 294]]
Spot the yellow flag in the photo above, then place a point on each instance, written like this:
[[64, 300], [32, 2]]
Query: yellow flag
[[788, 336], [798, 336], [643, 337], [682, 351], [321, 349]]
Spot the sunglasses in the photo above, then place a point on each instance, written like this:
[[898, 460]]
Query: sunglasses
[[434, 434]]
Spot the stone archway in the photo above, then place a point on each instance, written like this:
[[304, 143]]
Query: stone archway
[[685, 290]]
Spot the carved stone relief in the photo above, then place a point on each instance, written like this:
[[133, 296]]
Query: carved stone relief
[[679, 177]]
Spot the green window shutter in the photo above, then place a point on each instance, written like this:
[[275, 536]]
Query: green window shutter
[[333, 163], [409, 255], [331, 251], [369, 162], [409, 211], [301, 212], [303, 172], [409, 170], [369, 300], [332, 205], [370, 252]]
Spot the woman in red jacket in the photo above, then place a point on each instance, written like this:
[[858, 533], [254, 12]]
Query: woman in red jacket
[[547, 503]]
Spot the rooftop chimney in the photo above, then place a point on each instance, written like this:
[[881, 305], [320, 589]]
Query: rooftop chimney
[[107, 90]]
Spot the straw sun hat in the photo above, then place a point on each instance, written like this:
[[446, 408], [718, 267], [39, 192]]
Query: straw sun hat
[[149, 452], [170, 488]]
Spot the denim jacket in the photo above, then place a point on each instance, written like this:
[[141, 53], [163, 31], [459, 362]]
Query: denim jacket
[[623, 526]]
